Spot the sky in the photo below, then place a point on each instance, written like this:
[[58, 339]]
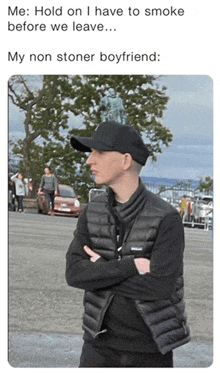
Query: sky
[[189, 116]]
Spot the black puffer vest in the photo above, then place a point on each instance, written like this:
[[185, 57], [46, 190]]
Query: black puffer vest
[[143, 215]]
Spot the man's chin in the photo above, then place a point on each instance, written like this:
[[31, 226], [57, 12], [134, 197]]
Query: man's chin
[[99, 181]]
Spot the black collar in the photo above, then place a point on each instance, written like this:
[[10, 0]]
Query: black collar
[[128, 210]]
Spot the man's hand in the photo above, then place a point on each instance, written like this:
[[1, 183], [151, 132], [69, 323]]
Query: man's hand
[[142, 265], [92, 254]]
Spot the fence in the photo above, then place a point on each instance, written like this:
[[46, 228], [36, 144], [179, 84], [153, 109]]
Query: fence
[[200, 212]]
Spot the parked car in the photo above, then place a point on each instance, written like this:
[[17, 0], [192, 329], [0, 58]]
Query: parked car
[[66, 203]]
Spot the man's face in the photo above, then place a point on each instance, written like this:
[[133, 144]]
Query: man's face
[[106, 166]]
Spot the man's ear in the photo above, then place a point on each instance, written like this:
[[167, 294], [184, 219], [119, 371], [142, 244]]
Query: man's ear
[[127, 161]]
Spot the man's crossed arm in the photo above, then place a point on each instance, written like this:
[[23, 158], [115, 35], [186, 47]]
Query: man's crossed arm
[[142, 264]]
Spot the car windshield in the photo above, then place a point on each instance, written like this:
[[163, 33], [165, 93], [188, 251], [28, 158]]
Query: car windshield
[[67, 193]]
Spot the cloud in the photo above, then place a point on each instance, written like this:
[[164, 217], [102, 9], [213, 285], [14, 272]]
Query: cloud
[[186, 158], [190, 108], [190, 89]]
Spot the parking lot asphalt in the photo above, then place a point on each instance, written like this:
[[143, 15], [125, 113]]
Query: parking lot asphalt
[[45, 314]]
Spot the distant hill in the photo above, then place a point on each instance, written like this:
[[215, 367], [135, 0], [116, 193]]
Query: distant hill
[[165, 181]]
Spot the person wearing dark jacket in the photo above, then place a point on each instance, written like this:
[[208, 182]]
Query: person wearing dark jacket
[[49, 186], [127, 254]]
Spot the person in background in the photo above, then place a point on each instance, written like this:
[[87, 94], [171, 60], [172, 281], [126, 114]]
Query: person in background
[[127, 254], [183, 206], [19, 190], [11, 195], [49, 186]]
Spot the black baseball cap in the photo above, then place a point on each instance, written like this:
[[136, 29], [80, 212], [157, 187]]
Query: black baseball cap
[[113, 136]]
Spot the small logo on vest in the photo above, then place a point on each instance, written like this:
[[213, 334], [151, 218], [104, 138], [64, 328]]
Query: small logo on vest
[[136, 248]]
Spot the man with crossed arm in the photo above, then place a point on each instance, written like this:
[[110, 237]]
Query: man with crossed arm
[[127, 254]]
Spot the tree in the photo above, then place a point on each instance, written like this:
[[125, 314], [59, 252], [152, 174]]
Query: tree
[[43, 104], [179, 185], [12, 164], [206, 184], [143, 99]]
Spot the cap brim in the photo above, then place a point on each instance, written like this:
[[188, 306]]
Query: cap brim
[[80, 144], [85, 144]]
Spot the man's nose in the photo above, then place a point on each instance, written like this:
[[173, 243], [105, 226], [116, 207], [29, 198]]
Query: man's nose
[[90, 160]]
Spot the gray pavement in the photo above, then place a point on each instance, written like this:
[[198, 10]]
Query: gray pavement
[[45, 314], [31, 350]]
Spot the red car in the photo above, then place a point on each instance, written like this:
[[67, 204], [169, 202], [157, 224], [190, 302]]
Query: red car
[[66, 203]]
